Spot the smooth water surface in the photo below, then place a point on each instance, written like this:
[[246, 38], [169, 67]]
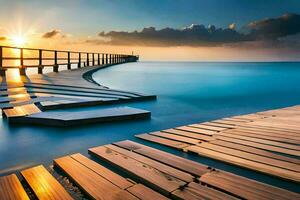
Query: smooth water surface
[[187, 93]]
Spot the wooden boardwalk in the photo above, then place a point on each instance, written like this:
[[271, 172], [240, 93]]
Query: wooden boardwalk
[[22, 95], [267, 142], [146, 173]]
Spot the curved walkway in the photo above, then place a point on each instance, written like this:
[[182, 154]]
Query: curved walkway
[[71, 88]]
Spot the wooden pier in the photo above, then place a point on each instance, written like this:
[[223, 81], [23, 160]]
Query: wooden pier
[[30, 94], [150, 174], [267, 142], [137, 171]]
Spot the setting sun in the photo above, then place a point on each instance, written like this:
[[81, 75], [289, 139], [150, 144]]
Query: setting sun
[[18, 40]]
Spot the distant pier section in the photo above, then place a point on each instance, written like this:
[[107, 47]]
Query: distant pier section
[[23, 58], [27, 97]]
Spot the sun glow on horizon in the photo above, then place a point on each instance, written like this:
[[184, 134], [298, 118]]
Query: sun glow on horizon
[[18, 40]]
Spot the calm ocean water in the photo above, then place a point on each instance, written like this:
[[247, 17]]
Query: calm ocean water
[[187, 93]]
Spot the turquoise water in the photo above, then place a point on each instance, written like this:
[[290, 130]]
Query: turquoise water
[[187, 93]]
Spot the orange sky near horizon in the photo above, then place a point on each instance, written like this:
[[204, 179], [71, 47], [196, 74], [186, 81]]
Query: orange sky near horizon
[[30, 38]]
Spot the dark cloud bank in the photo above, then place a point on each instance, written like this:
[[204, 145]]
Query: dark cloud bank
[[274, 31]]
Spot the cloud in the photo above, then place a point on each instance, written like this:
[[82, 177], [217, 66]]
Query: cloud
[[3, 38], [274, 28], [194, 35], [51, 34], [270, 29]]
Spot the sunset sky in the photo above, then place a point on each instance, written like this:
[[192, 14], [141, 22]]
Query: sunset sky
[[189, 30]]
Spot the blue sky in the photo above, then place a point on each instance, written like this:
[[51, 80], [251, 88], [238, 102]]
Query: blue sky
[[91, 16], [75, 24]]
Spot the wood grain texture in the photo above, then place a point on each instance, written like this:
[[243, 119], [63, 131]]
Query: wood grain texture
[[44, 185], [11, 188]]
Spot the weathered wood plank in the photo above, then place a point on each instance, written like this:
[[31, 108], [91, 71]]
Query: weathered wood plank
[[94, 185], [207, 127], [251, 156], [20, 111], [266, 137], [242, 162], [145, 193], [260, 146], [188, 134], [261, 141], [44, 185], [148, 175], [103, 171], [154, 164], [11, 188], [196, 130], [196, 191], [176, 137], [177, 162], [255, 151], [164, 141], [246, 188]]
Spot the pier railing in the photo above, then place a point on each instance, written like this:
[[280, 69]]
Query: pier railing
[[23, 58]]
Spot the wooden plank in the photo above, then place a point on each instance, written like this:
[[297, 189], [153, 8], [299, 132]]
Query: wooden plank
[[271, 170], [280, 134], [145, 193], [237, 120], [212, 123], [20, 111], [69, 118], [11, 188], [255, 151], [163, 141], [197, 191], [262, 141], [188, 134], [196, 130], [151, 177], [266, 137], [44, 185], [260, 146], [177, 162], [207, 127], [154, 164], [103, 171], [254, 157], [176, 137], [246, 188], [95, 186]]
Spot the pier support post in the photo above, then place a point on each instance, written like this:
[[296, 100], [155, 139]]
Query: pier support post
[[2, 71], [79, 60], [93, 59], [55, 67], [106, 59], [87, 60], [69, 60], [40, 67], [102, 59], [98, 59], [22, 68]]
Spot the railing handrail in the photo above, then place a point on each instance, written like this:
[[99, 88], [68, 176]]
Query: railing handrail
[[107, 58], [60, 51]]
